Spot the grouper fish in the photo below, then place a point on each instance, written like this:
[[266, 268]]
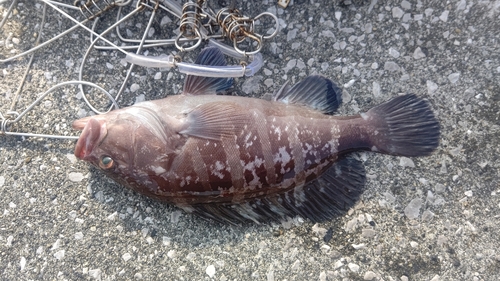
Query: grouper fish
[[239, 159]]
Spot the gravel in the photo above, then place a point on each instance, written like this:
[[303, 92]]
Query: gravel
[[431, 218]]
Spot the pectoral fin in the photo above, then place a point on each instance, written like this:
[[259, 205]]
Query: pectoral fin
[[215, 120]]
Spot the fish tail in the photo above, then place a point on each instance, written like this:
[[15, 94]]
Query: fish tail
[[404, 126]]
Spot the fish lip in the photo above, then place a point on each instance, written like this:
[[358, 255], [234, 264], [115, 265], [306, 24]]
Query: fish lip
[[93, 133]]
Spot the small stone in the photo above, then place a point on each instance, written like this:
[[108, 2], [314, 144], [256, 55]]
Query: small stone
[[210, 271], [454, 77], [370, 275], [126, 256], [79, 236], [157, 76], [413, 244], [374, 65], [368, 233], [59, 254], [338, 15], [75, 177], [2, 181], [22, 263], [406, 162], [397, 12], [427, 215], [171, 254], [468, 193], [165, 20], [376, 89], [394, 53], [134, 87], [109, 66], [418, 54], [412, 210], [391, 66], [359, 246], [406, 5], [95, 273], [444, 16], [353, 267], [291, 34], [296, 265], [350, 83], [431, 87]]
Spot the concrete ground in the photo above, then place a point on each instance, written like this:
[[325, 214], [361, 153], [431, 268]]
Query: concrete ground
[[432, 218]]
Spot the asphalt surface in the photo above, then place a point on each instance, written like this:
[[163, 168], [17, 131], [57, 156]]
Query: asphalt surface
[[432, 218]]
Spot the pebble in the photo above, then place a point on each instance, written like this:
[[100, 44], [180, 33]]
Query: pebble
[[370, 275], [95, 273], [353, 267], [418, 54], [454, 77], [165, 20], [406, 162], [79, 236], [397, 12], [376, 89], [126, 256], [134, 87], [391, 66], [412, 210], [22, 263], [291, 34], [157, 76], [394, 53], [210, 271], [75, 177], [406, 5], [431, 87], [2, 181], [444, 16], [59, 254]]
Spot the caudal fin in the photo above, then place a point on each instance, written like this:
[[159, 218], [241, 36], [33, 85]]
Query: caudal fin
[[403, 126]]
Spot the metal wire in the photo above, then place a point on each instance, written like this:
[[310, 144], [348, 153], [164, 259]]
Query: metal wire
[[196, 21]]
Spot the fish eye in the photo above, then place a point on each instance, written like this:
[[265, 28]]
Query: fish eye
[[106, 162]]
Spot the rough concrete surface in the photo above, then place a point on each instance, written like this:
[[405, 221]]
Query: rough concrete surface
[[432, 218]]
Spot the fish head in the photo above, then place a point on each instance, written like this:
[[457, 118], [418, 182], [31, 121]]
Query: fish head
[[123, 144], [104, 142]]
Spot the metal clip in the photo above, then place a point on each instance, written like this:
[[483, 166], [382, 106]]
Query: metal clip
[[91, 9], [190, 25], [238, 28]]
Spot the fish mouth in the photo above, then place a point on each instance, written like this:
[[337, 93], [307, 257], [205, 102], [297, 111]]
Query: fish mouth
[[93, 133]]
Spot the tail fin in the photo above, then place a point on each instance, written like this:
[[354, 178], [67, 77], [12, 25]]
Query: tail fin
[[404, 126]]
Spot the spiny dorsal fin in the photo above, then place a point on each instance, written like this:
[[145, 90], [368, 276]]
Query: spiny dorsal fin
[[315, 91], [199, 85], [324, 198], [215, 120]]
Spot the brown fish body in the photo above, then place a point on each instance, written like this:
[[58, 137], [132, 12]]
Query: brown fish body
[[237, 158], [273, 147]]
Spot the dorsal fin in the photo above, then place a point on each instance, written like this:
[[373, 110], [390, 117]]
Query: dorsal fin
[[199, 85], [315, 91]]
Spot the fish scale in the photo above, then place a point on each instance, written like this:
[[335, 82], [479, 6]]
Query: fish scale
[[237, 159]]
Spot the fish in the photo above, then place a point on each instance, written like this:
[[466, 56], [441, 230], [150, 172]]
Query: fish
[[236, 159]]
